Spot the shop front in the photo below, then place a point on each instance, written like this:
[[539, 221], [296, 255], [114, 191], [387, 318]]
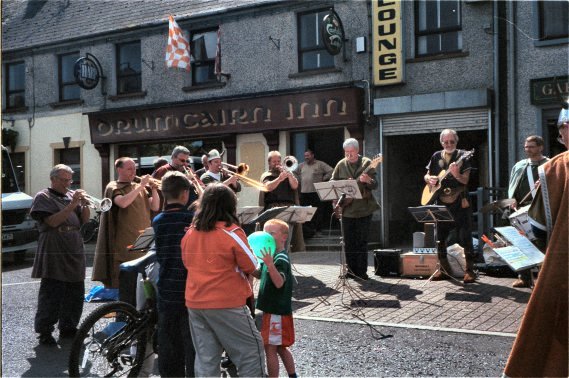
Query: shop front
[[246, 128]]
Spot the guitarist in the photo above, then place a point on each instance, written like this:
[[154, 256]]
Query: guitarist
[[454, 196], [357, 215]]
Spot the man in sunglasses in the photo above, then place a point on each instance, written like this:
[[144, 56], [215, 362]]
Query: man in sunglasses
[[180, 160], [453, 195], [541, 345]]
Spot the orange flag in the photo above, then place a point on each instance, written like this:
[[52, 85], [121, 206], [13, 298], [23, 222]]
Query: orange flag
[[178, 49]]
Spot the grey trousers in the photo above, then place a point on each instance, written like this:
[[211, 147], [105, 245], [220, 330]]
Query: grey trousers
[[232, 329]]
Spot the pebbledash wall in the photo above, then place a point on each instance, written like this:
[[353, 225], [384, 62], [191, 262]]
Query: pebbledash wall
[[259, 43]]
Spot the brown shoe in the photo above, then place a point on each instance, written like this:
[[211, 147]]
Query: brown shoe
[[520, 283], [439, 276], [469, 276]]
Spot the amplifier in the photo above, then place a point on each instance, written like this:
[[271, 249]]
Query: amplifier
[[386, 262]]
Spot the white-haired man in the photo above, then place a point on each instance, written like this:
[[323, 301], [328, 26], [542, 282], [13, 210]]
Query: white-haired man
[[356, 217]]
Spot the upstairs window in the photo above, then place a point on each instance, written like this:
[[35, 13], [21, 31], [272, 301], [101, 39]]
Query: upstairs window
[[312, 55], [553, 19], [438, 27], [68, 88], [15, 85], [129, 78], [203, 47]]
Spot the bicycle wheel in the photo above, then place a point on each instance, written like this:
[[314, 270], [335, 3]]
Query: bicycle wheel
[[89, 230], [110, 342]]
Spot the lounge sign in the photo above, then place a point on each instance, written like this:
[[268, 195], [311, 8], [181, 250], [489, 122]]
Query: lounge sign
[[335, 107], [387, 42]]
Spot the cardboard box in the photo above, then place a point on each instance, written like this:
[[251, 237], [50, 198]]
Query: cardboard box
[[418, 264]]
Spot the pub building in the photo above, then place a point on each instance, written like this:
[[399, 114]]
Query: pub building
[[91, 85]]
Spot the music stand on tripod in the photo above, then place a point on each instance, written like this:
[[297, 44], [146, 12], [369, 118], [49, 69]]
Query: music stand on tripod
[[433, 214], [339, 190]]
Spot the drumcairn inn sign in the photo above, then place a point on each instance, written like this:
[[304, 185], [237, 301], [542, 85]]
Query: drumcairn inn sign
[[335, 107]]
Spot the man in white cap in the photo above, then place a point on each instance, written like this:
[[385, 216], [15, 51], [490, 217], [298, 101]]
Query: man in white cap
[[541, 345], [216, 174]]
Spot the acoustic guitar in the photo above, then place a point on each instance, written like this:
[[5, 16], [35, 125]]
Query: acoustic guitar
[[348, 201], [431, 193]]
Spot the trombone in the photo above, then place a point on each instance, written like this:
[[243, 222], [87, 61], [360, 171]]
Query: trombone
[[241, 171]]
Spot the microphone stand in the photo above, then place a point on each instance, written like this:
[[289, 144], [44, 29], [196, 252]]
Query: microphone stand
[[342, 284]]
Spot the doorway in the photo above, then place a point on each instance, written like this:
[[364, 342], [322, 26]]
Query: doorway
[[406, 157]]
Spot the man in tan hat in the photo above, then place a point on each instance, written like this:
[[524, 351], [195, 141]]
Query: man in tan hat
[[216, 174]]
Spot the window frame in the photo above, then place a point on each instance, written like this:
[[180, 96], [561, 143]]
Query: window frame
[[120, 77], [436, 31], [210, 62], [301, 51], [61, 84], [9, 91], [538, 28]]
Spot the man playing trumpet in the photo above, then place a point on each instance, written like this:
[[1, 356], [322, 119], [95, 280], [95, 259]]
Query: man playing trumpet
[[215, 173], [60, 257], [123, 223]]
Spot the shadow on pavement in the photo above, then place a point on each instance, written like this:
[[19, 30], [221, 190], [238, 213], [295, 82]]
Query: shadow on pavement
[[49, 361]]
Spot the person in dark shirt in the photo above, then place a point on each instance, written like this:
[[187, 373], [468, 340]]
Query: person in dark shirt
[[454, 196], [177, 354]]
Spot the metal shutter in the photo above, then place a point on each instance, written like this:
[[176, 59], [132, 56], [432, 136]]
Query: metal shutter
[[421, 123]]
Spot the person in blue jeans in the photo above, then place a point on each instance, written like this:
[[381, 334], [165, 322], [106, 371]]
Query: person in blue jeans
[[176, 353]]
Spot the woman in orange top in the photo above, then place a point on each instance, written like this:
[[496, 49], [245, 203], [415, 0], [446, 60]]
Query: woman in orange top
[[218, 258]]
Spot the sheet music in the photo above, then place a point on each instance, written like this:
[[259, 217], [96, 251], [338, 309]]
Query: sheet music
[[331, 190], [522, 254], [297, 214]]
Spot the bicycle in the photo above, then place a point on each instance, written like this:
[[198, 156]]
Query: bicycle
[[112, 340], [90, 229]]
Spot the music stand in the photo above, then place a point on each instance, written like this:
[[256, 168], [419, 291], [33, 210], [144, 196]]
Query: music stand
[[433, 214], [329, 191], [247, 214], [143, 241]]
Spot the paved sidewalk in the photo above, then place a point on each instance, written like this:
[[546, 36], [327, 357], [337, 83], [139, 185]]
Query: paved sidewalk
[[489, 306]]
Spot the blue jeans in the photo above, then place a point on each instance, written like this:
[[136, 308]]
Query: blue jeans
[[176, 352]]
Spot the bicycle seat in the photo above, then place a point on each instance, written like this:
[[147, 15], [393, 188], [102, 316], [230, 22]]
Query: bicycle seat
[[140, 263]]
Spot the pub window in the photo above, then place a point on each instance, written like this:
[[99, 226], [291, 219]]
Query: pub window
[[312, 55], [68, 88], [15, 85], [203, 47], [72, 158], [129, 78], [553, 19], [438, 27]]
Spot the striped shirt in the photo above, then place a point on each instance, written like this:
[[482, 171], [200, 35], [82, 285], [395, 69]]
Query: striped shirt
[[169, 228]]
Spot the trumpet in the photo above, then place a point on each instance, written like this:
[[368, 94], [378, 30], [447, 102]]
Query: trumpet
[[196, 182], [102, 205], [156, 182], [290, 164]]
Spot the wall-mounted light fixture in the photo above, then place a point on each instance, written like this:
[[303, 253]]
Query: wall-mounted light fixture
[[66, 141]]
